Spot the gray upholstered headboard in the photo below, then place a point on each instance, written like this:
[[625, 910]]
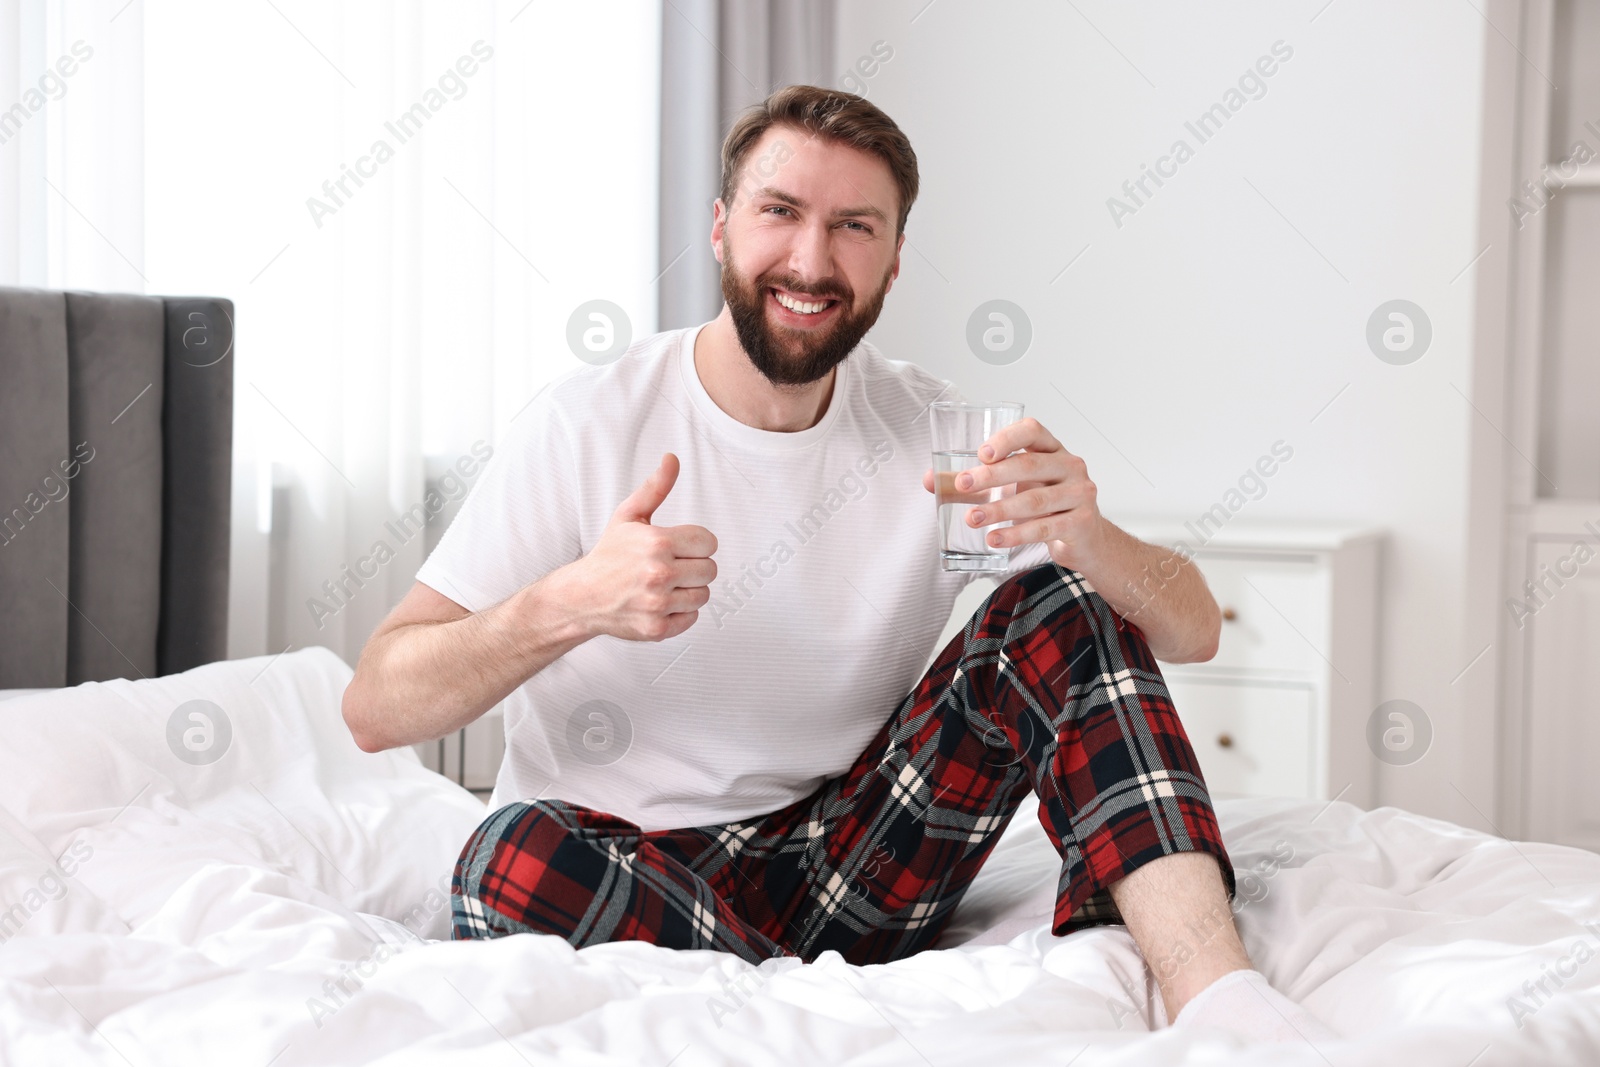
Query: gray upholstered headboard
[[116, 440]]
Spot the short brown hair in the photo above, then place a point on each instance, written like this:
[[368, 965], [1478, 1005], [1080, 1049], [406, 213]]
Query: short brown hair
[[838, 116]]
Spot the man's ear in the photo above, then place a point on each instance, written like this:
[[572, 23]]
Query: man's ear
[[894, 271], [719, 218]]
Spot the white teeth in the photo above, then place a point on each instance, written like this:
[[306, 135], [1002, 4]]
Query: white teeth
[[797, 305]]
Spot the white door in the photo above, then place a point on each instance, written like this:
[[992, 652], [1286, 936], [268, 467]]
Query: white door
[[1563, 659]]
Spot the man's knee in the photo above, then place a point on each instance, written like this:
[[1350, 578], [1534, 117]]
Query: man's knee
[[1021, 596], [537, 829], [1016, 588], [528, 826], [495, 889], [1046, 577], [1034, 579]]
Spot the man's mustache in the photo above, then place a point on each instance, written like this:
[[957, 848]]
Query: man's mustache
[[793, 286]]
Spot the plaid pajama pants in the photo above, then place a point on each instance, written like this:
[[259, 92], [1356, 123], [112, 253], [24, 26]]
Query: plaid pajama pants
[[1045, 691]]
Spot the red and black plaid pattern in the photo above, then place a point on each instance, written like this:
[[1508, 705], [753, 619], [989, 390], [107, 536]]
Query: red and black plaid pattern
[[1046, 691]]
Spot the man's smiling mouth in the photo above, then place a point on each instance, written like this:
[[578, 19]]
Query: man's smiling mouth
[[803, 305]]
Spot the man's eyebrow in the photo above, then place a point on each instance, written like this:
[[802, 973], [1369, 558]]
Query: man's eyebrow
[[866, 211]]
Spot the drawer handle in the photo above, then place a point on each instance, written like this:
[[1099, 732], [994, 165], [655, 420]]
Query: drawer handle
[[1224, 740], [1228, 614]]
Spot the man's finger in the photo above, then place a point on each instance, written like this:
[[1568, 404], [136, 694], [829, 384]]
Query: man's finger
[[694, 572], [1022, 467], [1041, 500], [1026, 433], [692, 541], [949, 494], [642, 503]]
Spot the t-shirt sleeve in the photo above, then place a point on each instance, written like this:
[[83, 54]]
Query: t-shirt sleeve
[[519, 522]]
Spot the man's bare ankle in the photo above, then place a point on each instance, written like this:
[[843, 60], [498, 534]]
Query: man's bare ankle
[[1191, 981], [1179, 914]]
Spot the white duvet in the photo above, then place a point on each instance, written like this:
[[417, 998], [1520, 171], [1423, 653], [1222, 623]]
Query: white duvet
[[278, 897]]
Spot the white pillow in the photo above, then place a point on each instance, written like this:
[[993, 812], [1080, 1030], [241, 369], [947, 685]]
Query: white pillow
[[244, 762]]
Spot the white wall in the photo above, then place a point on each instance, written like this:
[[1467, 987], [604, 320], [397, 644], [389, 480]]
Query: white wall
[[1230, 308]]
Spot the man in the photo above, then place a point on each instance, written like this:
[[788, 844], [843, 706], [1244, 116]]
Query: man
[[759, 764]]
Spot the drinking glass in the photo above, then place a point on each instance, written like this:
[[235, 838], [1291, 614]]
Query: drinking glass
[[959, 430]]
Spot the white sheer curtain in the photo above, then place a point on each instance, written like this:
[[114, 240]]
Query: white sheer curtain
[[71, 182], [406, 202]]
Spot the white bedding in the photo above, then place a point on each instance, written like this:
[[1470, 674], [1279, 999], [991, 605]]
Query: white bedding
[[202, 913]]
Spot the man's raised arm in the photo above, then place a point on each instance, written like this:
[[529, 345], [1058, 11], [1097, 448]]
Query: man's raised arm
[[432, 666]]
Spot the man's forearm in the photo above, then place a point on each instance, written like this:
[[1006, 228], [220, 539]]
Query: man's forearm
[[1160, 592], [423, 681]]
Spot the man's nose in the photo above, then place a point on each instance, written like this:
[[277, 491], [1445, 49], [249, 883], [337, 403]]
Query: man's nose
[[811, 258]]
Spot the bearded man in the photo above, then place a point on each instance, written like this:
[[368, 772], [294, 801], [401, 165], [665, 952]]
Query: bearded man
[[704, 581]]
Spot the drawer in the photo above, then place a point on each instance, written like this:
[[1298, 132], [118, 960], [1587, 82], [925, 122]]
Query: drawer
[[1251, 740], [1273, 612]]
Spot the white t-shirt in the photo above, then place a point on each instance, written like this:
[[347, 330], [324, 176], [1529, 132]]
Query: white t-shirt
[[828, 600]]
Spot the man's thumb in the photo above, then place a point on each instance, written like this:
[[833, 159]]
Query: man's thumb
[[643, 501]]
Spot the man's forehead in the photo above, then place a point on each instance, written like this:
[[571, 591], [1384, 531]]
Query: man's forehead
[[787, 152]]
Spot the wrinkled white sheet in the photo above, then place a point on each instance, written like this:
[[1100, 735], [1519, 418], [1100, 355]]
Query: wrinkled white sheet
[[206, 914]]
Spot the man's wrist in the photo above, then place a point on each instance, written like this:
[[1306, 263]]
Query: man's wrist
[[1088, 556], [546, 611]]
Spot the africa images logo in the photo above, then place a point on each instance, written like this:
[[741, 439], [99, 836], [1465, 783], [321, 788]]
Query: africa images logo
[[199, 732]]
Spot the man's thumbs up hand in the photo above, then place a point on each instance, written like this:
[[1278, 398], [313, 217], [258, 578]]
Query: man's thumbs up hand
[[646, 582]]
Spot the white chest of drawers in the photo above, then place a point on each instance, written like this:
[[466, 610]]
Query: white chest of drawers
[[1282, 709]]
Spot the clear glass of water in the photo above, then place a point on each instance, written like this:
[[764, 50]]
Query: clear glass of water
[[959, 430]]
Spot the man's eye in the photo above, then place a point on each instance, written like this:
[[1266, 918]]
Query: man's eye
[[777, 207], [859, 226]]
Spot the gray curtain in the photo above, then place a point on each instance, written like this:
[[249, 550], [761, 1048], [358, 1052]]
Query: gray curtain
[[718, 57]]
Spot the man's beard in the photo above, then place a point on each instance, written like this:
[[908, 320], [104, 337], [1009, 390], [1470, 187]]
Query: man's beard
[[786, 356]]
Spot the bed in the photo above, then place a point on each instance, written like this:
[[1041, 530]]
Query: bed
[[203, 868], [197, 865]]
